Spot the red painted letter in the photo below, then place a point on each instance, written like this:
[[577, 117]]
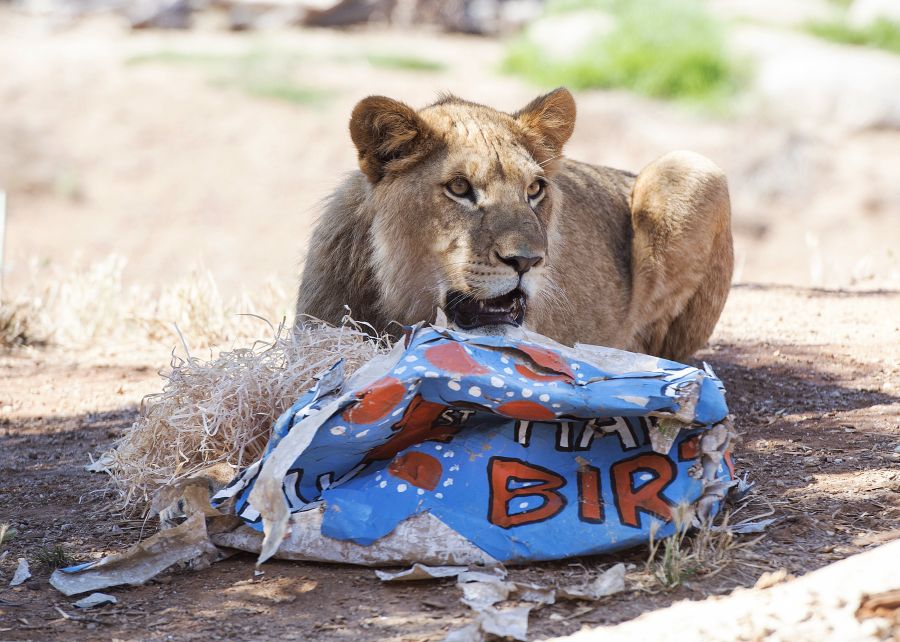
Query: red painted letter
[[502, 471], [648, 496], [590, 502]]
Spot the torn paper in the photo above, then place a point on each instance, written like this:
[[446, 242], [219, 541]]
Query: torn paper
[[22, 573], [141, 562], [95, 600], [610, 582], [420, 572], [520, 448]]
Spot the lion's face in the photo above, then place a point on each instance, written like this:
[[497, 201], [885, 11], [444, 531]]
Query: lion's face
[[463, 206]]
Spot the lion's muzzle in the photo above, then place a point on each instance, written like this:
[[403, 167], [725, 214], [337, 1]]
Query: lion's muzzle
[[468, 313]]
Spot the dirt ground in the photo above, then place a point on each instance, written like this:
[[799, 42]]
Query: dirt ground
[[152, 146], [812, 379], [160, 147]]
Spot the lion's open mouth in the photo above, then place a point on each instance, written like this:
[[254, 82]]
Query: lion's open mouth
[[468, 313]]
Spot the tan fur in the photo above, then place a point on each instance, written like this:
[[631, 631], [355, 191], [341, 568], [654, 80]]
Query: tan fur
[[636, 262]]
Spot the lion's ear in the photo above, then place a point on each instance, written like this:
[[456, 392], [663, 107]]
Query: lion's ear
[[389, 135], [551, 119]]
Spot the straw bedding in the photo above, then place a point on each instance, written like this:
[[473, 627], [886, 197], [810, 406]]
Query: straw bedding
[[221, 411]]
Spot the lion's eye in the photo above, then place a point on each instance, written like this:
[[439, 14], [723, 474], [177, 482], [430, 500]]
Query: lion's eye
[[460, 187], [535, 189]]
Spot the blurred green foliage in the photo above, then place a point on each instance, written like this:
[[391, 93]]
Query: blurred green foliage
[[411, 63], [272, 73], [662, 48], [883, 34], [263, 73]]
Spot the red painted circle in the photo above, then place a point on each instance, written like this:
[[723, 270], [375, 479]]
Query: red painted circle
[[419, 469], [376, 401], [526, 410], [452, 357]]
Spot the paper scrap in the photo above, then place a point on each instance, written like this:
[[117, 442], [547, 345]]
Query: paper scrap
[[506, 623], [490, 575], [22, 573], [420, 572], [144, 560], [94, 600], [480, 595], [610, 582]]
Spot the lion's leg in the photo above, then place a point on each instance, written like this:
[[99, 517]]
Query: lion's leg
[[682, 254]]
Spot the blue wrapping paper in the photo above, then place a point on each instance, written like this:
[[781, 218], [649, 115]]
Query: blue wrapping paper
[[529, 450]]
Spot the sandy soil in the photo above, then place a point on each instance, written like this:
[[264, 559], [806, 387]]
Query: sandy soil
[[812, 379], [171, 162], [150, 145]]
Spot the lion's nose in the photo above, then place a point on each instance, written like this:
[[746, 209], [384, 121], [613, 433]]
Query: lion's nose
[[521, 264]]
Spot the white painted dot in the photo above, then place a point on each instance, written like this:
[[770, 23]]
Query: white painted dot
[[449, 454], [523, 504], [401, 488], [378, 477], [475, 391], [544, 397], [453, 385], [420, 491], [579, 375], [411, 387], [400, 370], [431, 374], [454, 468], [438, 447], [526, 393], [338, 430], [439, 495], [645, 476], [508, 371], [575, 366], [448, 482], [382, 484], [419, 368], [398, 411], [497, 382], [556, 405], [504, 359], [412, 358], [510, 394], [362, 433]]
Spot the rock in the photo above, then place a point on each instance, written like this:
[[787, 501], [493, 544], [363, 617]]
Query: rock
[[561, 37], [466, 16], [815, 85], [249, 15], [347, 13], [160, 14]]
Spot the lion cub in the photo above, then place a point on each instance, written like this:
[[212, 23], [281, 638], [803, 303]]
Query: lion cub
[[461, 207]]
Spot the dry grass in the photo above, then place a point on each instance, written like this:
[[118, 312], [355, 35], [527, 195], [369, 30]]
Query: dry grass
[[222, 410], [18, 326], [215, 411], [703, 551], [92, 306]]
